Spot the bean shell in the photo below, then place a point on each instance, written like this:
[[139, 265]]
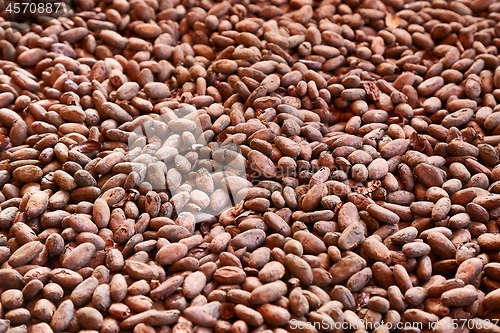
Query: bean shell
[[268, 292]]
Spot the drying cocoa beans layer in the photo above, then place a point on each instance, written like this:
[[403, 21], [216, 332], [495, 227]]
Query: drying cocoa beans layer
[[251, 166]]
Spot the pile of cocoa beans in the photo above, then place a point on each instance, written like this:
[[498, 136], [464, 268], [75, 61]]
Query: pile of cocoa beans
[[251, 166]]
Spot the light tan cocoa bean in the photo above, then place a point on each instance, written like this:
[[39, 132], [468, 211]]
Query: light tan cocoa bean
[[170, 253], [63, 315], [299, 268]]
